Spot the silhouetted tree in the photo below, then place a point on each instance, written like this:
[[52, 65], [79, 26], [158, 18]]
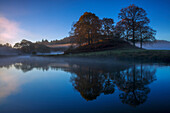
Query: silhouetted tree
[[123, 29], [8, 45], [17, 45], [28, 47], [131, 17], [146, 34]]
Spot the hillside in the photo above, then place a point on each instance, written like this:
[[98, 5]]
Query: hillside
[[65, 44], [107, 44]]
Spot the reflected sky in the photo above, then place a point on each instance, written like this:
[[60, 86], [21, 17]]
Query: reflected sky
[[40, 85]]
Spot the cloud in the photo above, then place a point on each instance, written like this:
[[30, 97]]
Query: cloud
[[9, 30], [11, 81]]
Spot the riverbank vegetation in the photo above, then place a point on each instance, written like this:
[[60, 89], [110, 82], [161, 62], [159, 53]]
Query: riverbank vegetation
[[129, 54]]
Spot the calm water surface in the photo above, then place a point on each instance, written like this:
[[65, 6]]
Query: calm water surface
[[61, 85]]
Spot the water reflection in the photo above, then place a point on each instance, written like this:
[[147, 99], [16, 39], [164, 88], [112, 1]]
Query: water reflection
[[132, 80], [93, 77], [134, 84], [8, 84]]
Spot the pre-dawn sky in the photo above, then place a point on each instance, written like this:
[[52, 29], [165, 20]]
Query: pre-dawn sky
[[52, 19]]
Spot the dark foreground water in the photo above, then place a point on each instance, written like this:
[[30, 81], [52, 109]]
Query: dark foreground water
[[65, 85]]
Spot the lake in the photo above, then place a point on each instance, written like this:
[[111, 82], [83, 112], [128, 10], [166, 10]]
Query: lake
[[83, 85]]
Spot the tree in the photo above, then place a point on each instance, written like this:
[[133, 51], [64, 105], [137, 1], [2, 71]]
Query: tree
[[146, 34], [107, 27], [17, 45], [28, 47], [8, 45], [87, 28], [123, 29], [131, 17]]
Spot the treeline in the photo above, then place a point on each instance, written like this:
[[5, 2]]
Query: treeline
[[66, 40], [26, 46], [6, 45], [133, 26]]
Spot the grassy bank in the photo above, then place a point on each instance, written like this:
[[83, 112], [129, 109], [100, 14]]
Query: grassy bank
[[135, 54]]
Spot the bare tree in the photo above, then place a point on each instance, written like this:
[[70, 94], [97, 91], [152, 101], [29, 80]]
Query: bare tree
[[131, 17], [146, 34]]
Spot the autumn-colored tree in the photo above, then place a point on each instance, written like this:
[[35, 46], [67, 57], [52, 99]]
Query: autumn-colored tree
[[87, 28], [131, 17]]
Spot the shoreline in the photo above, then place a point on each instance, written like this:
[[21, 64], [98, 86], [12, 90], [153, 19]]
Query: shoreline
[[135, 54], [120, 54]]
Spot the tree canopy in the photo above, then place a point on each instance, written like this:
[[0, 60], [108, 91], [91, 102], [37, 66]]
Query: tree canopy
[[133, 22], [87, 28], [133, 26]]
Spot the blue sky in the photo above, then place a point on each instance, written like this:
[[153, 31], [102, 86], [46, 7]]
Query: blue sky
[[52, 19]]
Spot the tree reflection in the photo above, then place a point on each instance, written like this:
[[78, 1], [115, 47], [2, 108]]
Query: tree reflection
[[91, 81], [132, 82], [88, 82]]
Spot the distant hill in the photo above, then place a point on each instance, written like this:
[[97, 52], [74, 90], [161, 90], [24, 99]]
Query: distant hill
[[66, 40], [61, 45], [156, 45]]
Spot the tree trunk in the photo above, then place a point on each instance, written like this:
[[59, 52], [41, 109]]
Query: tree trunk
[[88, 39], [141, 42], [127, 35], [91, 39], [133, 26]]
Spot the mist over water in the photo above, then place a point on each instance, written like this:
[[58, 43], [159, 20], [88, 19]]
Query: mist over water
[[40, 85]]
